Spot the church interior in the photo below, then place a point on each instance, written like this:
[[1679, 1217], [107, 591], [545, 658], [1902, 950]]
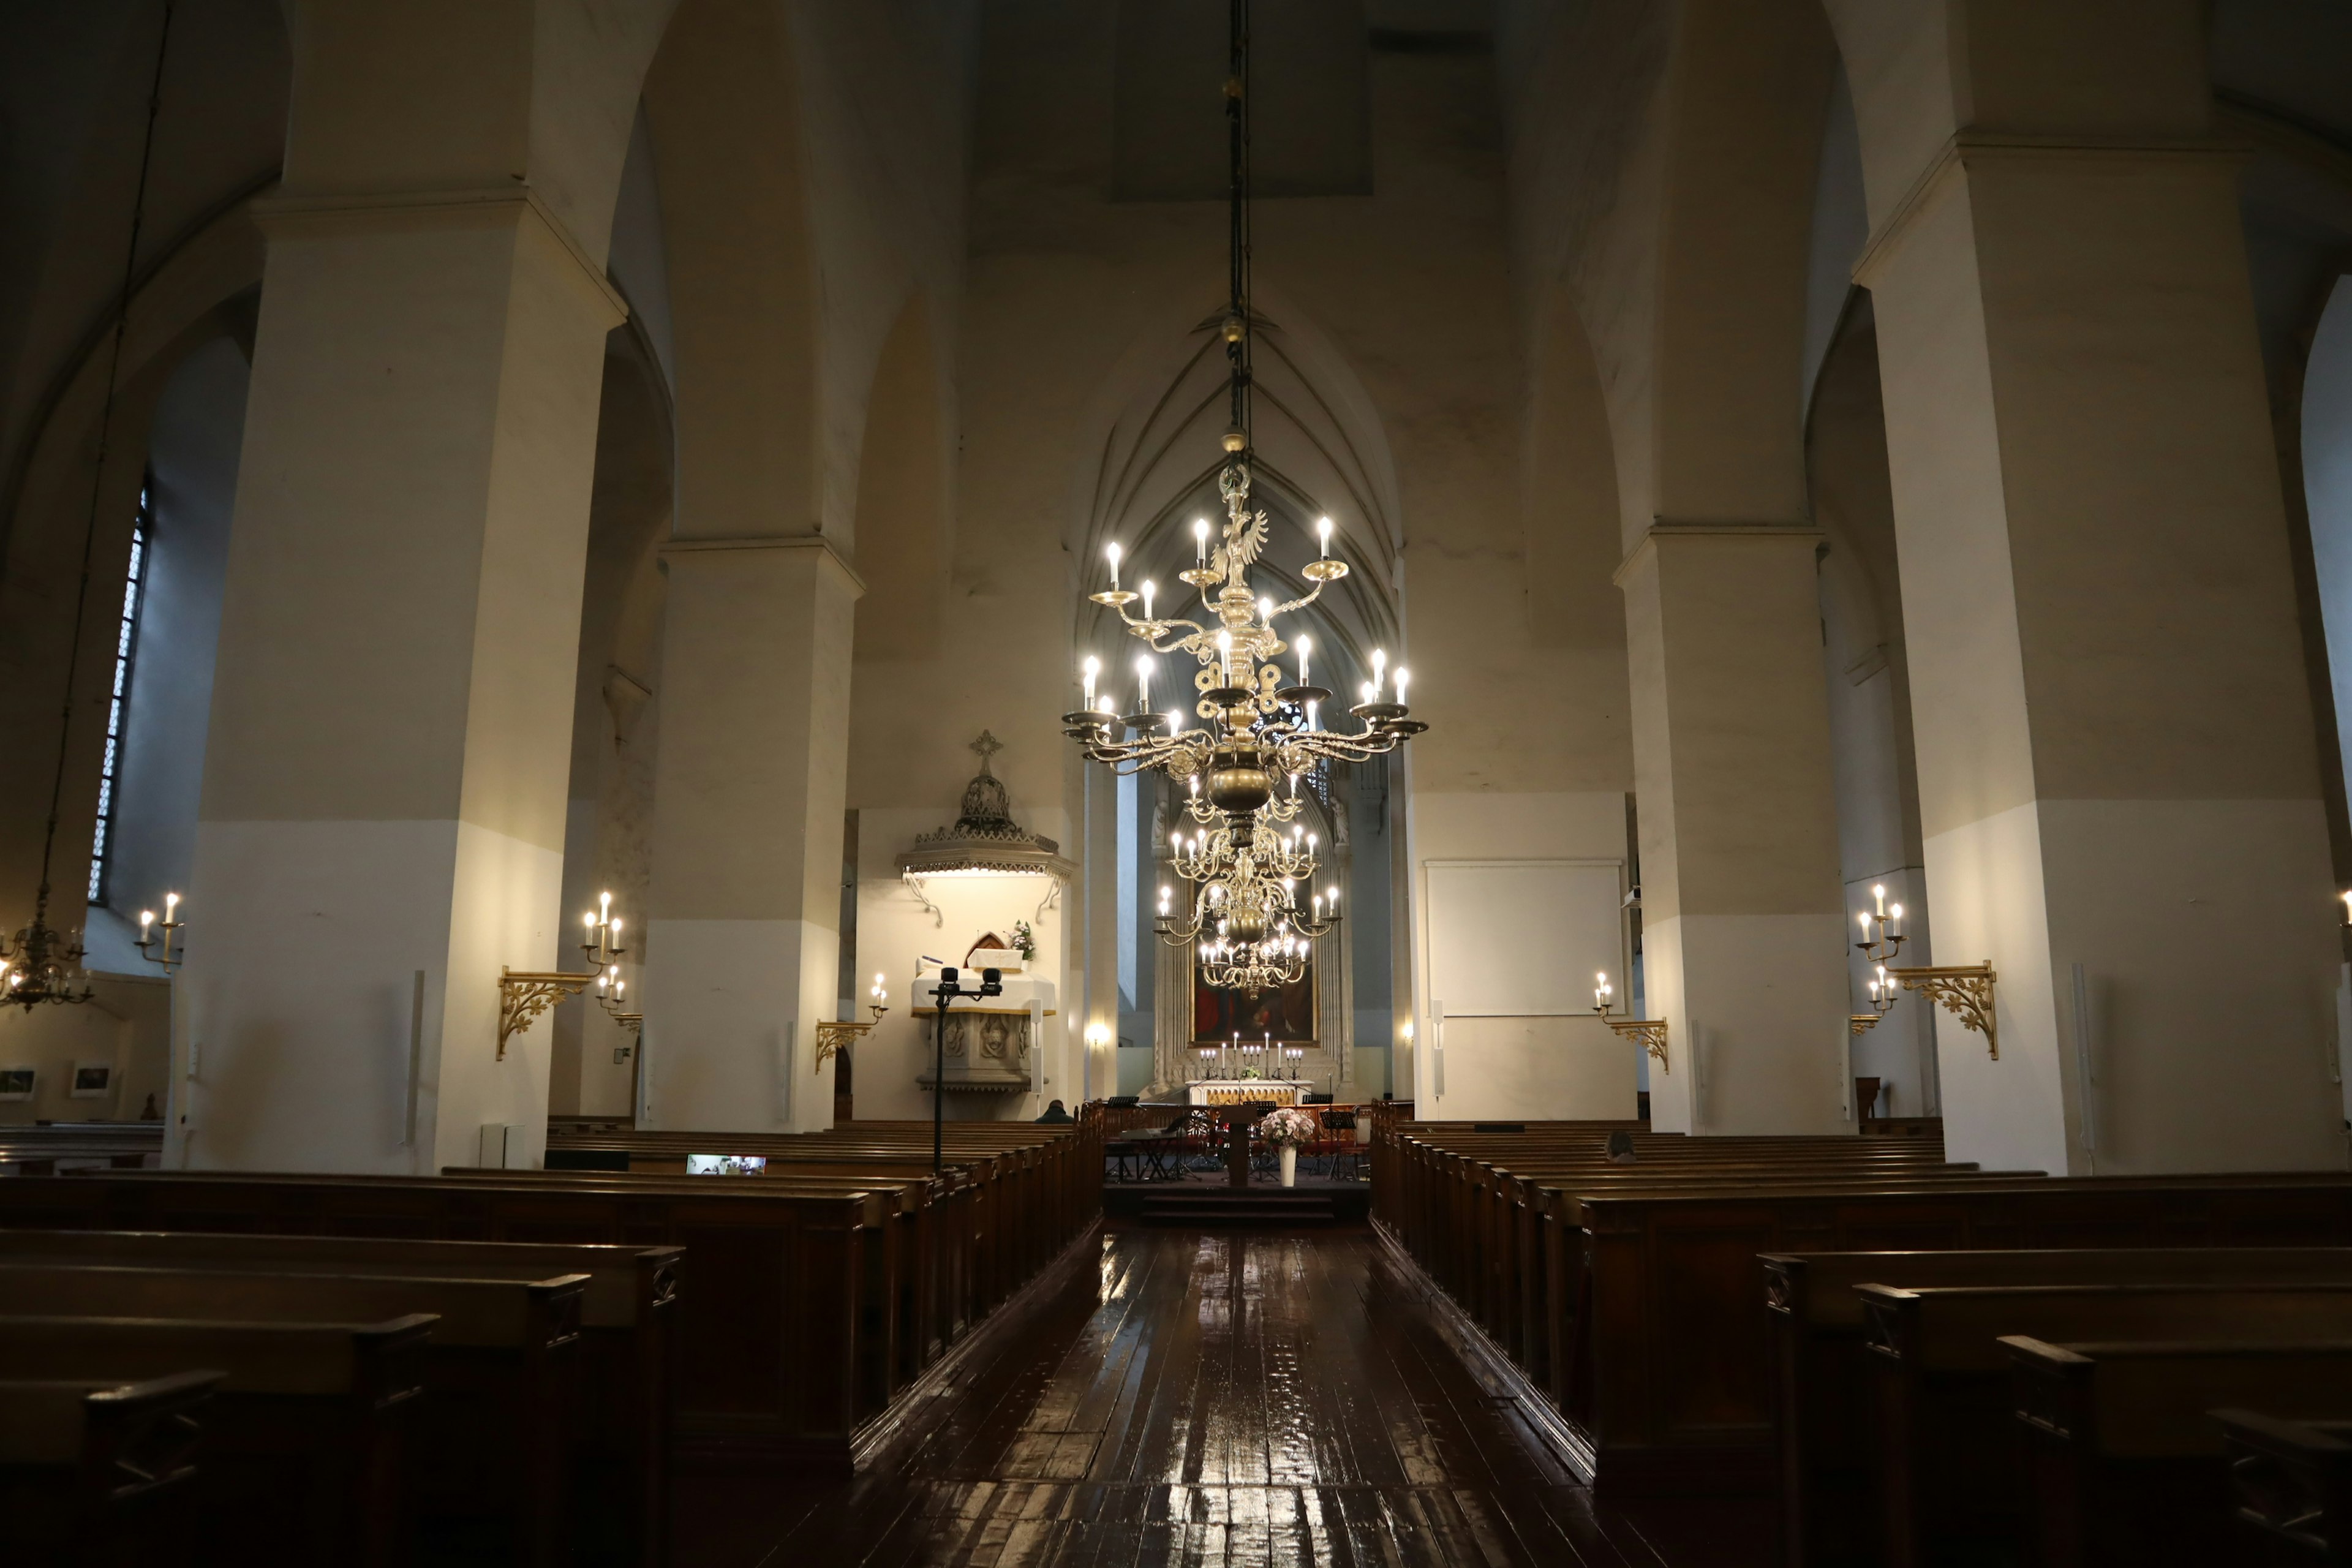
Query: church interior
[[1149, 781]]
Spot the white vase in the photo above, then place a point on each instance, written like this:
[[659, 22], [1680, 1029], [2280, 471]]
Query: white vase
[[1290, 1164]]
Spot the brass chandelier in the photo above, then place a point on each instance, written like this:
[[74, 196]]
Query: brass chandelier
[[1250, 735]]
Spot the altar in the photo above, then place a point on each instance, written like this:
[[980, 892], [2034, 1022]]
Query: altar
[[1244, 1091]]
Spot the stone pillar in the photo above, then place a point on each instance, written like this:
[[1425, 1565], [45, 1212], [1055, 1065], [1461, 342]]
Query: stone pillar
[[753, 777], [2116, 758], [1743, 932], [385, 771]]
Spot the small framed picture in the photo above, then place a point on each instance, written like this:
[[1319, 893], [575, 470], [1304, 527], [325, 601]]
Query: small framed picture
[[92, 1080], [16, 1083]]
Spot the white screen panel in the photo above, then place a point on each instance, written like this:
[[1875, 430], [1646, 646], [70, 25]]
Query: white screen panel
[[1523, 938]]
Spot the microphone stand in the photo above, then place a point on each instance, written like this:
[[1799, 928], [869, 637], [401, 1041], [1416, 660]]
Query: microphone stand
[[950, 988]]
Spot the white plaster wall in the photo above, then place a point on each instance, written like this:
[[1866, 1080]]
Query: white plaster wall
[[1570, 1064]]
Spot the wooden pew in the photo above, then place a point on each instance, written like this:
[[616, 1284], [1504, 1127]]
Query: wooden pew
[[770, 1353], [303, 1439], [2124, 1461], [491, 1461], [621, 1433], [97, 1472], [1827, 1441], [1947, 1434], [2291, 1483], [1644, 1326]]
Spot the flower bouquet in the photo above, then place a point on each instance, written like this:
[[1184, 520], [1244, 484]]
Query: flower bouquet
[[1288, 1130], [1287, 1127]]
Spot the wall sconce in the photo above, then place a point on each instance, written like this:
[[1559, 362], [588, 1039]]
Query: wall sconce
[[1882, 997], [1650, 1034], [1966, 992], [832, 1036], [155, 933], [1882, 937], [1098, 1035], [524, 995]]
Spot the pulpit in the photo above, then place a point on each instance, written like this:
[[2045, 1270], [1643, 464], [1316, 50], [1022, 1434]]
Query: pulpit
[[991, 1046]]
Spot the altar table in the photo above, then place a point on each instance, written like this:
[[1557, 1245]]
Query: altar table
[[1244, 1091]]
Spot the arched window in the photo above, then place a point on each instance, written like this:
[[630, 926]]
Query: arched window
[[118, 707]]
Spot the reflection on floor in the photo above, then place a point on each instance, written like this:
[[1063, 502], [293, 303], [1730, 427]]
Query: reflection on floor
[[1214, 1398]]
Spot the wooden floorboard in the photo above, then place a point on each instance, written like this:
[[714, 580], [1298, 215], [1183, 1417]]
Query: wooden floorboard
[[1221, 1398]]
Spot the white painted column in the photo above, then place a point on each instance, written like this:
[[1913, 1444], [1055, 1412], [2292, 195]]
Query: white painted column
[[384, 776], [1742, 923], [2117, 759], [744, 941]]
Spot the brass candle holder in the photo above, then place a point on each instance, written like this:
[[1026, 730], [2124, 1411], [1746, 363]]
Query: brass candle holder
[[1650, 1034], [832, 1036]]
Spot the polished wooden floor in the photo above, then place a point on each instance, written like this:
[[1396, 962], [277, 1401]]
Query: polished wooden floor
[[1214, 1398]]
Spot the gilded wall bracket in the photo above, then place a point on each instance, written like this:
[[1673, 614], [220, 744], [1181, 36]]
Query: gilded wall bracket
[[1650, 1034], [524, 995], [832, 1036], [1966, 992]]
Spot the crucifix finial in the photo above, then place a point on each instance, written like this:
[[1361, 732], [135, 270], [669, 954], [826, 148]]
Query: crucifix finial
[[987, 746]]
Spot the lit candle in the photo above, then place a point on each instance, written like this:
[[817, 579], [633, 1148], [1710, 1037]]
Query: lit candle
[[1265, 612], [1331, 897], [1864, 918], [1087, 671], [146, 919], [1310, 843], [171, 908], [1379, 670], [1879, 893], [1307, 645], [1225, 656], [1105, 705], [1402, 675], [1201, 539], [1311, 725], [1164, 896], [1112, 551], [1142, 685], [1894, 919], [1365, 691], [1175, 722], [1323, 533], [1150, 587]]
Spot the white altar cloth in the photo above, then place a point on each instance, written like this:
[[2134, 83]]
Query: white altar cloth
[[1239, 1092]]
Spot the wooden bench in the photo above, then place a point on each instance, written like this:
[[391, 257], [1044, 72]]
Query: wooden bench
[[97, 1471], [490, 1463], [2124, 1461], [1642, 1331], [621, 1431], [2292, 1483], [303, 1439], [1828, 1446], [1951, 1459], [771, 1354]]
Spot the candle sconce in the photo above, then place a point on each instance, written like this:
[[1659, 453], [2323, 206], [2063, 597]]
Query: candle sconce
[[524, 995], [1882, 997], [154, 934], [1882, 939], [1966, 992], [831, 1037], [612, 995], [1650, 1034]]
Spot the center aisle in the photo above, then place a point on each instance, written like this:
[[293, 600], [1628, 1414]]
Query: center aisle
[[1214, 1398]]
